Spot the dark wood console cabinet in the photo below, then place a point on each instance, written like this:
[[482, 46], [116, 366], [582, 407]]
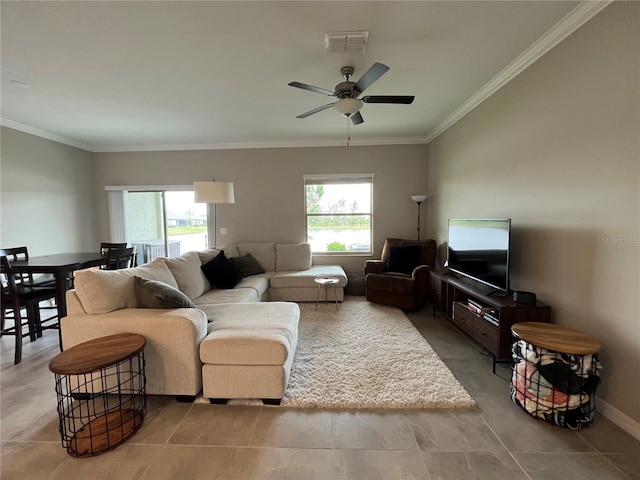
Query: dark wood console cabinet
[[451, 295]]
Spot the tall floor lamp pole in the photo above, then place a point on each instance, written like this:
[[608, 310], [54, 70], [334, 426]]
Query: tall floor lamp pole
[[418, 199]]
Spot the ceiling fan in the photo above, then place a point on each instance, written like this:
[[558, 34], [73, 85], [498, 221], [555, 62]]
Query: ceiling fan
[[347, 93]]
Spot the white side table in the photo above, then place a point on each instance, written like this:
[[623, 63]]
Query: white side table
[[326, 282]]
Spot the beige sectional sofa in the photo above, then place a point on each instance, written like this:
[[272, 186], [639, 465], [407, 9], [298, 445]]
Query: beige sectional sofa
[[290, 270], [250, 357]]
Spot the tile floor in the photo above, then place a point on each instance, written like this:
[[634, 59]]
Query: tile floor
[[495, 440]]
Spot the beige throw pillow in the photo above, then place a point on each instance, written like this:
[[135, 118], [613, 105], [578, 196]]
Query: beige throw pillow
[[104, 291]]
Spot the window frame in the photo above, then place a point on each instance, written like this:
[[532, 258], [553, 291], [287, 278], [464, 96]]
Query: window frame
[[344, 179]]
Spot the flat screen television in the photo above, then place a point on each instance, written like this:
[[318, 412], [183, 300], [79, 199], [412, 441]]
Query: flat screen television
[[479, 249]]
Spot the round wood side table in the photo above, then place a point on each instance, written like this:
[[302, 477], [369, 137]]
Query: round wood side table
[[556, 337], [555, 373], [101, 392]]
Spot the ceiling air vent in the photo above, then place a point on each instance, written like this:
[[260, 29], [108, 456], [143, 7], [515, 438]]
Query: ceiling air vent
[[346, 42]]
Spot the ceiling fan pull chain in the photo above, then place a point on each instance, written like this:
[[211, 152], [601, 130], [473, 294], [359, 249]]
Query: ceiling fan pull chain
[[348, 131]]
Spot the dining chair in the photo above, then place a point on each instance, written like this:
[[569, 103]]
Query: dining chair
[[17, 297], [22, 253], [106, 246], [120, 258]]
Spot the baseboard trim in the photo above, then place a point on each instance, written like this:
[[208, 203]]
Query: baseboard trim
[[620, 419]]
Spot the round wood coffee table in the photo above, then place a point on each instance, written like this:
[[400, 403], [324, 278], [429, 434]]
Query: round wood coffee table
[[101, 391]]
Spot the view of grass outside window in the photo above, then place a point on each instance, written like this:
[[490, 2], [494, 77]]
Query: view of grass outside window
[[186, 220], [339, 213]]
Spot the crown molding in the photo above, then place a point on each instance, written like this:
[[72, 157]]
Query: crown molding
[[577, 17], [258, 145], [213, 146], [5, 122]]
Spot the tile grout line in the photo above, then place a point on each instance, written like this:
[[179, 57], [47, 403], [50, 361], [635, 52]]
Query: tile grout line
[[502, 443], [603, 454], [245, 448], [166, 442], [415, 440]]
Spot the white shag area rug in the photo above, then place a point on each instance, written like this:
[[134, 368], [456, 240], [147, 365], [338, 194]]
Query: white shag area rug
[[366, 356]]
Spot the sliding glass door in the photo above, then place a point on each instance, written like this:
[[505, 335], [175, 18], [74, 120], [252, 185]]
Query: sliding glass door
[[186, 221], [159, 223]]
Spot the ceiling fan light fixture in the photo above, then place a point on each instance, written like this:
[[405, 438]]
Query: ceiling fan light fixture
[[347, 106]]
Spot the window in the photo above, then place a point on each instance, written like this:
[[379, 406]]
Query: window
[[339, 214]]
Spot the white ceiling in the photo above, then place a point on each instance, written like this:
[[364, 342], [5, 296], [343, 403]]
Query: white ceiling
[[111, 76]]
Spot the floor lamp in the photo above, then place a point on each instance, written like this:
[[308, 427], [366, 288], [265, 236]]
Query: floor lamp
[[418, 199], [213, 193]]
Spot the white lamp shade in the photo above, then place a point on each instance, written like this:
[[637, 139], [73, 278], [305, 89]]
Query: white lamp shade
[[418, 198], [213, 192], [348, 106]]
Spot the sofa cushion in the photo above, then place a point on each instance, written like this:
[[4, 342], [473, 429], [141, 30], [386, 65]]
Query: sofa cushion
[[226, 295], [104, 291], [155, 294], [207, 255], [252, 334], [305, 278], [427, 246], [155, 270], [246, 265], [259, 283], [221, 272], [293, 256], [403, 259], [264, 253], [188, 274]]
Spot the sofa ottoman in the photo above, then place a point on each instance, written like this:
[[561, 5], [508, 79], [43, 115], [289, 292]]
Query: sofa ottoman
[[249, 350]]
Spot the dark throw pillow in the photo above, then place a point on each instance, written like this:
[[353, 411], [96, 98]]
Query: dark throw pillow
[[221, 272], [156, 294], [247, 265], [403, 259]]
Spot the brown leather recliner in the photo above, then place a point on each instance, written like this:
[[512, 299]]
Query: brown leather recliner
[[409, 288]]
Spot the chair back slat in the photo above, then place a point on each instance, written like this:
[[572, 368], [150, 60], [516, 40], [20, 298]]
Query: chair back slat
[[120, 258], [106, 246]]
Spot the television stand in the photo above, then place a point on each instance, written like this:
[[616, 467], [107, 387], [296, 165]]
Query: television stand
[[485, 317], [493, 292]]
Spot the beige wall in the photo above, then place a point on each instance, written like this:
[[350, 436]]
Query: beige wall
[[47, 195], [268, 186], [558, 151]]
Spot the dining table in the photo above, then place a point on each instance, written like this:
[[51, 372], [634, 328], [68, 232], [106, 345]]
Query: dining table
[[61, 266]]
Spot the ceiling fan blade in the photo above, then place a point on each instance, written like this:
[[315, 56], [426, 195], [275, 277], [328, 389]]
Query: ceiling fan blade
[[311, 88], [370, 76], [401, 99], [315, 110], [356, 118]]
